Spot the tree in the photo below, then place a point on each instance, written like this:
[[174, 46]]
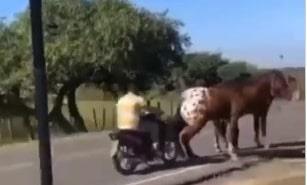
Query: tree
[[15, 75], [202, 67], [233, 70], [136, 46], [104, 42]]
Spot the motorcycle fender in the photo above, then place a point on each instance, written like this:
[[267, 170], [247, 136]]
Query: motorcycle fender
[[114, 148]]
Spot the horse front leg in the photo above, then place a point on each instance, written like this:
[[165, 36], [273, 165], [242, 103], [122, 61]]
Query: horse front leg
[[231, 137]]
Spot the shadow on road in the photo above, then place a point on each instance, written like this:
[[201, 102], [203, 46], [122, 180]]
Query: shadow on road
[[295, 150], [295, 143]]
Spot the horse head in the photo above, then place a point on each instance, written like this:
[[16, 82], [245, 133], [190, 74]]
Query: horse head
[[279, 85]]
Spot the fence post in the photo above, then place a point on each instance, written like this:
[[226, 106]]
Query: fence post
[[172, 108], [9, 127], [113, 117], [103, 118], [159, 105], [71, 120], [95, 118], [177, 107], [1, 134]]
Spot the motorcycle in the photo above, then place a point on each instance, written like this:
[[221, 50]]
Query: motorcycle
[[131, 148]]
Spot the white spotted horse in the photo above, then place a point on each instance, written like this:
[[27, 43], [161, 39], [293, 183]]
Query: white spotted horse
[[230, 100]]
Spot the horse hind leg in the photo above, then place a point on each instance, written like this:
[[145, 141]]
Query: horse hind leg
[[219, 133], [231, 134], [217, 143], [236, 132], [256, 131], [186, 135], [224, 132], [264, 132]]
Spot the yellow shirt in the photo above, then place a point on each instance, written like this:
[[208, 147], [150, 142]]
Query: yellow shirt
[[128, 111]]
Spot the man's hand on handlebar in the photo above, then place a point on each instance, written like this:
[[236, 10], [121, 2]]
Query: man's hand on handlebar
[[151, 110]]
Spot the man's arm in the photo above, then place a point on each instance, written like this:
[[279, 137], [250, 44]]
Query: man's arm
[[143, 106]]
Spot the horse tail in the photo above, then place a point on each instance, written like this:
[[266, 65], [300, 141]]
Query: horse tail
[[179, 119]]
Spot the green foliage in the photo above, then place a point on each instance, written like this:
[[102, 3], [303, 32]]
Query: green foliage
[[203, 66], [235, 70], [81, 37], [14, 69], [135, 45]]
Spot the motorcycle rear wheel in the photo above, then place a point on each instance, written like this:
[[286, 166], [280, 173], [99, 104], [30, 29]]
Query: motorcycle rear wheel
[[124, 165], [170, 153]]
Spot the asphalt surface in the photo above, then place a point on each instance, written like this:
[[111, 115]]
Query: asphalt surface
[[84, 159], [273, 172]]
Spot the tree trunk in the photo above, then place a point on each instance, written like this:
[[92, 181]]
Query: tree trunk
[[56, 115], [27, 124], [22, 108], [73, 109], [27, 113]]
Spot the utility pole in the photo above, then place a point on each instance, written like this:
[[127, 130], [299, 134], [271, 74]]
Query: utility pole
[[41, 100]]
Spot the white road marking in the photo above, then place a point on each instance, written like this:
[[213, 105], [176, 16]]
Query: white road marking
[[167, 175], [13, 167]]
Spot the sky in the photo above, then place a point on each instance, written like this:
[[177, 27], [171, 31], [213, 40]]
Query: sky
[[257, 31]]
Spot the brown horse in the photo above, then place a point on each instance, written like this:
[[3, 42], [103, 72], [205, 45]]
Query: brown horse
[[230, 100]]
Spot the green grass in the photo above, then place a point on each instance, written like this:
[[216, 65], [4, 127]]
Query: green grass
[[88, 107], [91, 99]]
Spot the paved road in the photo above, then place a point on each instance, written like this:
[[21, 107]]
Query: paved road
[[84, 159], [274, 172]]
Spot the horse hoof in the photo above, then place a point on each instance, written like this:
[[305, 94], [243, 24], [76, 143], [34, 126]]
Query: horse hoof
[[194, 156], [218, 150], [185, 159], [191, 157], [234, 158], [258, 144], [267, 146]]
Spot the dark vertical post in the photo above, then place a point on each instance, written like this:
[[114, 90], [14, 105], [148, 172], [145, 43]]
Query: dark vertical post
[[159, 105], [148, 103], [41, 106], [9, 127], [172, 108], [103, 119], [113, 117], [95, 118]]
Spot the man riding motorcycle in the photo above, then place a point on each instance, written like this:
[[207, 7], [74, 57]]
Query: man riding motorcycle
[[131, 108]]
